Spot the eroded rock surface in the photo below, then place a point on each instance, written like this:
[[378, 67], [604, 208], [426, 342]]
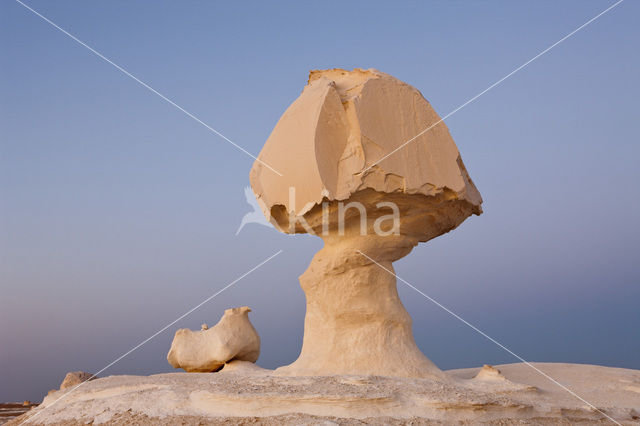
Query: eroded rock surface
[[232, 338], [490, 373], [242, 397], [74, 378], [331, 139]]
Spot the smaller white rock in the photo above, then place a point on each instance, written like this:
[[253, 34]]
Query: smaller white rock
[[206, 350]]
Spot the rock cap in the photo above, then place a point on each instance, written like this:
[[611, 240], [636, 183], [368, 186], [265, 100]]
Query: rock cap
[[333, 141]]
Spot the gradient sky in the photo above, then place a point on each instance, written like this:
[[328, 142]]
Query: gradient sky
[[118, 212]]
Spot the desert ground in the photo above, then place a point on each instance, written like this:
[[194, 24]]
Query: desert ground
[[247, 394]]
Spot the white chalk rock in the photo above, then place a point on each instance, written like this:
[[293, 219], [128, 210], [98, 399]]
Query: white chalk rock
[[232, 338], [490, 373], [74, 378], [366, 139], [340, 137]]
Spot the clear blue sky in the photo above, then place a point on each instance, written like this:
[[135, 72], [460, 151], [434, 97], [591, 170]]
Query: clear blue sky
[[118, 212]]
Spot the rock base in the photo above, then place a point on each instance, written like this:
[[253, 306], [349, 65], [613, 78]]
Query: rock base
[[252, 395]]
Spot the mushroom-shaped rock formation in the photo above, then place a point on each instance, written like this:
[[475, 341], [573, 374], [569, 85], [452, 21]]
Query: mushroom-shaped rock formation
[[232, 338], [348, 177]]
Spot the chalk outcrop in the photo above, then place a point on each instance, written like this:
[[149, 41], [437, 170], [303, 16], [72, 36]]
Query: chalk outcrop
[[232, 338], [489, 373], [74, 378], [368, 165]]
